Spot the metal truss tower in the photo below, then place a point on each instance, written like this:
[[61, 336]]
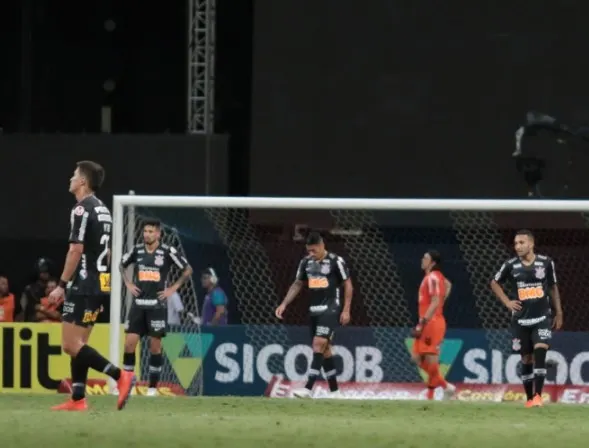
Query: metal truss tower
[[201, 66]]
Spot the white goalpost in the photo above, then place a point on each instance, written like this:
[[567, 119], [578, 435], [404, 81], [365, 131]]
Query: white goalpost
[[469, 218]]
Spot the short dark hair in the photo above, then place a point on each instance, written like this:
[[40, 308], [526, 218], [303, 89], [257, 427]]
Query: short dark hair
[[525, 232], [314, 238], [436, 257], [93, 172], [152, 222]]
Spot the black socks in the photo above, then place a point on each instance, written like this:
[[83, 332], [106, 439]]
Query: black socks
[[90, 358], [330, 373], [314, 370]]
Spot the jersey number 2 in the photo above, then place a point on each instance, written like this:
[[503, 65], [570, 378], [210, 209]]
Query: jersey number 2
[[100, 264]]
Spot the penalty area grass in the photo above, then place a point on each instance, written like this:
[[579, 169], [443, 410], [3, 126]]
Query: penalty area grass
[[220, 422]]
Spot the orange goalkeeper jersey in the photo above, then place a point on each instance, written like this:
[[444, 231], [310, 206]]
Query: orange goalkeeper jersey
[[432, 285]]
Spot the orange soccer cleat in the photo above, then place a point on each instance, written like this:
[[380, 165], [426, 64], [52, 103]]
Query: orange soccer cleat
[[125, 386], [537, 401], [72, 405], [530, 403]]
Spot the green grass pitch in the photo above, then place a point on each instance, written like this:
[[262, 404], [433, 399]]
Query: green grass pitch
[[26, 421]]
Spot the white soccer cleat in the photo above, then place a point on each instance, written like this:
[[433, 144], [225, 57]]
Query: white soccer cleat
[[301, 393], [151, 392], [449, 391]]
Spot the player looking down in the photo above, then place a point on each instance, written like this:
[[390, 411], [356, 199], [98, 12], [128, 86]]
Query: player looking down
[[148, 314], [87, 278], [429, 332], [323, 273], [535, 278]]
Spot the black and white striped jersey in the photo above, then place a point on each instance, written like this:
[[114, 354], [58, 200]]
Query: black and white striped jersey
[[532, 283], [151, 270], [91, 226], [324, 279]]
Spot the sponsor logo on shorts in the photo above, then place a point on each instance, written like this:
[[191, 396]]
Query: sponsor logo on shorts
[[157, 324], [544, 333], [90, 316], [68, 308], [322, 330]]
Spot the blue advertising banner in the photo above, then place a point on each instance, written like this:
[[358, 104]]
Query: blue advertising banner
[[241, 360]]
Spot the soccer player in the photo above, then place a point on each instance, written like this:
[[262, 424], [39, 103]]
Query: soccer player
[[148, 315], [535, 278], [87, 278], [324, 273], [429, 332]]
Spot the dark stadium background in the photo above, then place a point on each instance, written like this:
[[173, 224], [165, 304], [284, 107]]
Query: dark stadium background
[[313, 98]]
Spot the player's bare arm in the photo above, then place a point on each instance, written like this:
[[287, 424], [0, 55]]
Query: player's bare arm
[[219, 312], [434, 304], [348, 293], [512, 305], [72, 259], [186, 274], [558, 318], [292, 293], [132, 287], [448, 286]]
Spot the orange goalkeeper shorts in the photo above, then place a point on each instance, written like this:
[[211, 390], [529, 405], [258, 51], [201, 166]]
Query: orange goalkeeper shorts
[[431, 338]]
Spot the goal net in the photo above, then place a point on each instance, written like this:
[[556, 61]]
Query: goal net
[[254, 244]]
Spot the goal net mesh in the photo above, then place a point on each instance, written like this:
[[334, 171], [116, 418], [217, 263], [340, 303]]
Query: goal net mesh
[[255, 253]]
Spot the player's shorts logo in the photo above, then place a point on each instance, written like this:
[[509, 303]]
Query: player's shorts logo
[[157, 324], [90, 317], [544, 333], [322, 331]]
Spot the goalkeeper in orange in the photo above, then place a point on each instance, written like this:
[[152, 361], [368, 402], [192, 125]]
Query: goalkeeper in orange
[[429, 332]]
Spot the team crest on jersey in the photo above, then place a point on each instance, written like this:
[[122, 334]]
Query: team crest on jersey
[[79, 210], [325, 269], [158, 260], [540, 273]]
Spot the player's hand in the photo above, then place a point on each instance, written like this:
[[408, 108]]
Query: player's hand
[[163, 295], [344, 318], [133, 289], [56, 294], [280, 311], [416, 332], [557, 322], [514, 305]]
